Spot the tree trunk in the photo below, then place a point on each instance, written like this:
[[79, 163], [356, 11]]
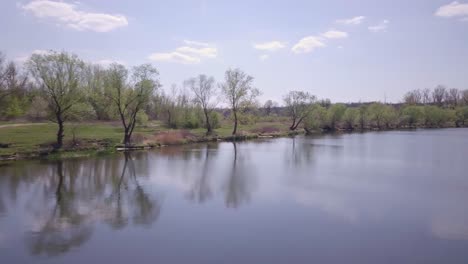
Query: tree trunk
[[209, 130], [60, 131], [235, 123], [127, 137], [293, 126]]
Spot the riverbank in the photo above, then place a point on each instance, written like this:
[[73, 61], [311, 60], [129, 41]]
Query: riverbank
[[35, 140]]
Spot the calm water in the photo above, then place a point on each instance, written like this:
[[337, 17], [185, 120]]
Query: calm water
[[389, 197]]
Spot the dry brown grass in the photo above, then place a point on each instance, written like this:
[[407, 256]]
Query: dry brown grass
[[174, 137]]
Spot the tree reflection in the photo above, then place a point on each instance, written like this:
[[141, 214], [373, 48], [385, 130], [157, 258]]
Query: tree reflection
[[239, 184], [81, 200], [66, 227], [201, 189]]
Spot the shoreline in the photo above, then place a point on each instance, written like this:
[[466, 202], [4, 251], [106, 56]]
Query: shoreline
[[90, 151]]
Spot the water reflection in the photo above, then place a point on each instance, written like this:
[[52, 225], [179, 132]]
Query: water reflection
[[325, 197], [64, 201], [240, 181]]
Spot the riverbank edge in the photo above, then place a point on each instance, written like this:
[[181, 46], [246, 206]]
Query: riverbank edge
[[91, 151]]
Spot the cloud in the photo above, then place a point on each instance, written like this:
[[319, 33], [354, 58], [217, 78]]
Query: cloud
[[264, 57], [68, 15], [335, 34], [208, 52], [194, 53], [308, 44], [270, 46], [196, 43], [382, 26], [351, 21], [453, 9]]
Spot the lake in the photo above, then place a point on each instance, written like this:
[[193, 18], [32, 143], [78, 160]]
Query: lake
[[376, 197]]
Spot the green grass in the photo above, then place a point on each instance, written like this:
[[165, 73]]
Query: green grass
[[31, 138]]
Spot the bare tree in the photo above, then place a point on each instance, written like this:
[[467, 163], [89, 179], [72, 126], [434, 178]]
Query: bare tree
[[204, 89], [299, 105], [239, 92], [60, 76], [452, 97], [426, 96], [438, 95], [131, 97], [413, 97], [464, 96]]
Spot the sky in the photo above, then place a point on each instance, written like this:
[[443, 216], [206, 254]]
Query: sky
[[344, 50]]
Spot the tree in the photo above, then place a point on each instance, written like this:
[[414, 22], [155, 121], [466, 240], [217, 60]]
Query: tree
[[377, 113], [438, 95], [452, 97], [426, 96], [335, 115], [413, 97], [298, 106], [464, 97], [239, 92], [350, 117], [317, 119], [60, 77], [204, 90], [363, 117], [268, 106], [412, 115], [130, 97]]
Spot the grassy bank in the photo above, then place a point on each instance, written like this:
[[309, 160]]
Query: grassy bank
[[32, 140]]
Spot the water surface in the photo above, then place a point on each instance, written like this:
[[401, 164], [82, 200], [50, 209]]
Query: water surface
[[387, 197]]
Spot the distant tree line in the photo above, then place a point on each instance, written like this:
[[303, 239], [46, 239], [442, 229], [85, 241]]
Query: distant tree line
[[62, 88]]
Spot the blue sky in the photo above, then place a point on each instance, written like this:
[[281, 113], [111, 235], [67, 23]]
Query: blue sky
[[344, 50]]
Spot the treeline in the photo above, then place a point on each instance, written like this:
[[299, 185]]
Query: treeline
[[60, 87]]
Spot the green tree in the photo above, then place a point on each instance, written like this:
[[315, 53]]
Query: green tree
[[204, 89], [334, 116], [131, 97], [350, 118], [239, 92], [412, 115], [60, 76], [298, 106]]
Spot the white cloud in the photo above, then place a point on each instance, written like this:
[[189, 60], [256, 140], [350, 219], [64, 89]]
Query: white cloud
[[208, 52], [351, 21], [68, 15], [308, 44], [270, 46], [382, 26], [196, 43], [452, 10], [191, 54], [264, 57], [335, 34], [174, 57]]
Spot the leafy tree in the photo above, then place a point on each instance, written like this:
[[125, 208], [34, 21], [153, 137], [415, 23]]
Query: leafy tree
[[335, 115], [363, 117], [131, 97], [298, 106], [377, 114], [461, 114], [350, 118], [390, 117], [60, 76], [204, 89], [317, 119], [239, 92], [412, 115]]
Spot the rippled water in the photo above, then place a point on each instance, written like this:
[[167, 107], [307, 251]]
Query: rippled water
[[388, 197]]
